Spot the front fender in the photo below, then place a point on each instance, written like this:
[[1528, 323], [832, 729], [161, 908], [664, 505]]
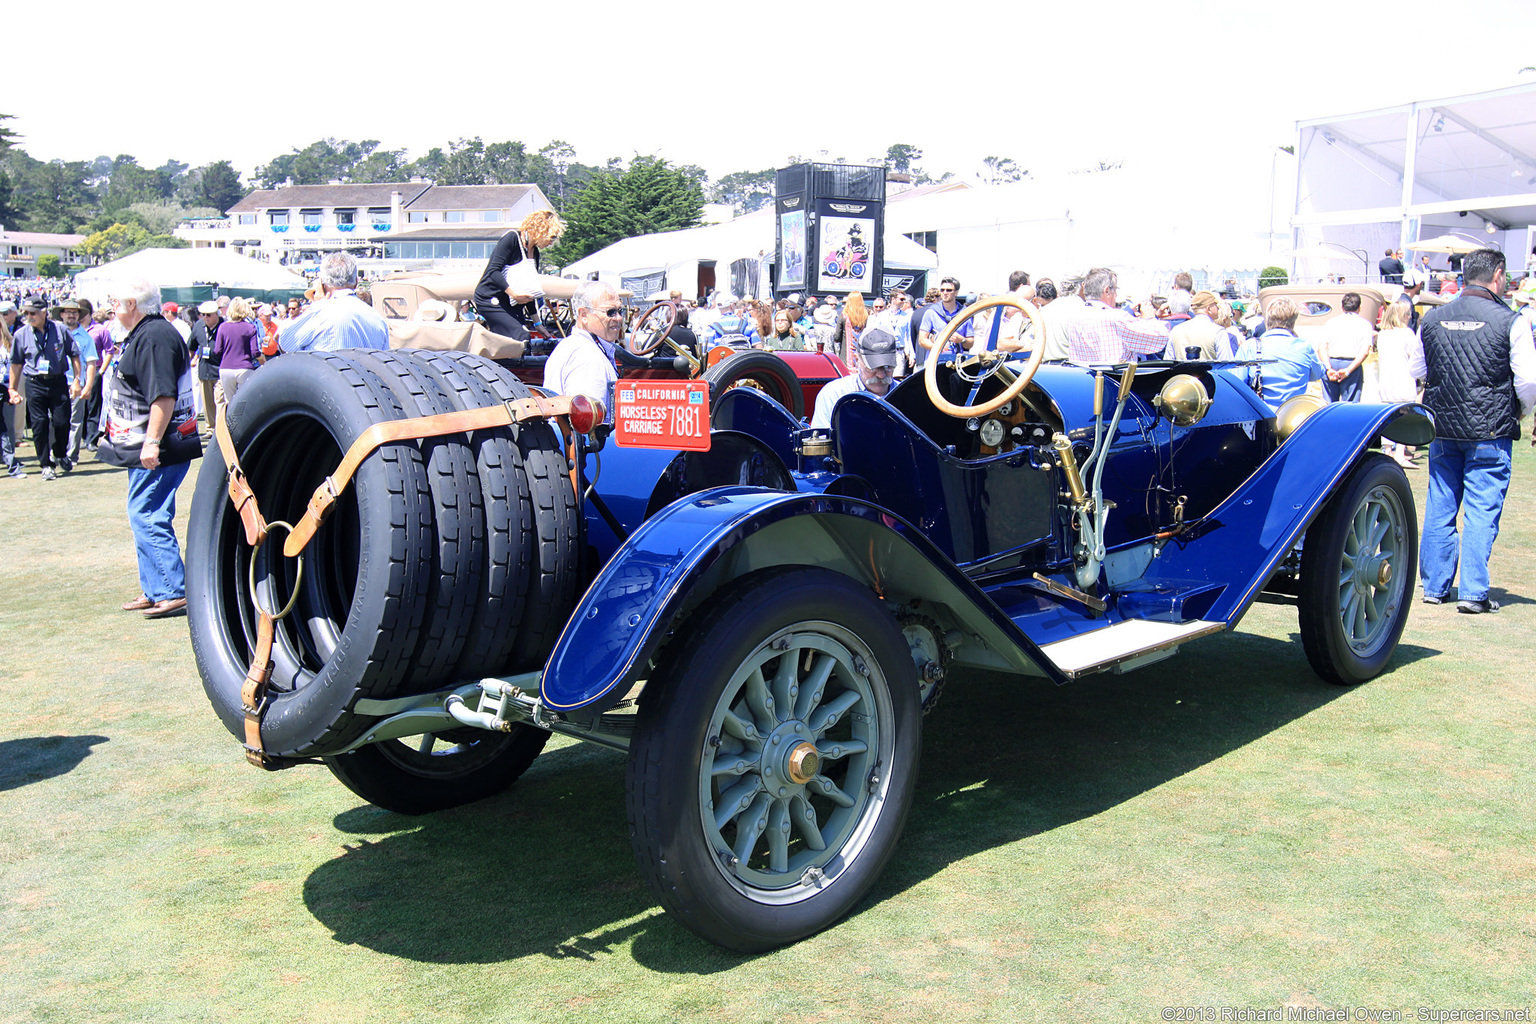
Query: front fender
[[1242, 541], [684, 553]]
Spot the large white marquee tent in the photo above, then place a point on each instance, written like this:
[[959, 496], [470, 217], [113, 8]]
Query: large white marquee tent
[[190, 274], [1386, 178]]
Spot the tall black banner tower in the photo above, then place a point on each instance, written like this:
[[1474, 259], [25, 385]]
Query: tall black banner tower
[[830, 226]]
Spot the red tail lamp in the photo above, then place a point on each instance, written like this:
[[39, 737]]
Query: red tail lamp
[[586, 413]]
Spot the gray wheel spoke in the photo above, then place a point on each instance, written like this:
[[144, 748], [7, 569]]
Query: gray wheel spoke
[[732, 764], [843, 748], [814, 686], [828, 789], [778, 836], [829, 715], [750, 827], [427, 740], [1347, 572], [736, 799], [784, 689], [1347, 614], [760, 701], [804, 816], [1378, 531], [740, 728]]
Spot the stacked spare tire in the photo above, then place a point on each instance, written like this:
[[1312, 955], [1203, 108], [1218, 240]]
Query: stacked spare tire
[[447, 559]]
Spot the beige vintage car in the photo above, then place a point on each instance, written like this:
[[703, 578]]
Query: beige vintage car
[[422, 313], [1319, 303]]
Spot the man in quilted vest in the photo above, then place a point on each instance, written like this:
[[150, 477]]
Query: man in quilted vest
[[1478, 364]]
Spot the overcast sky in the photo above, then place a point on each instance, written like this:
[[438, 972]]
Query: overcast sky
[[738, 87]]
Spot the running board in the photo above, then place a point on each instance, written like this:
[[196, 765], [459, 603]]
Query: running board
[[1125, 645]]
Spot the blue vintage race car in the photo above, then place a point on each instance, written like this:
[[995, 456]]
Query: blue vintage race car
[[761, 624]]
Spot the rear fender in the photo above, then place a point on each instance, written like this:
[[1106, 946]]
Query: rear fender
[[680, 556], [1242, 541]]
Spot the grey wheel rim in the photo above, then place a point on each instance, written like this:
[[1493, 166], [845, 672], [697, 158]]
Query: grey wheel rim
[[1370, 571], [795, 768]]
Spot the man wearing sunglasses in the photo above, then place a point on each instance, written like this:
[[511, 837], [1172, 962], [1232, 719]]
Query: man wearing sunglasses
[[935, 318], [40, 352], [582, 364]]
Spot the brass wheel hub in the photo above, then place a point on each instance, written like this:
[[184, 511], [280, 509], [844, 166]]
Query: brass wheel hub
[[803, 763], [1384, 574]]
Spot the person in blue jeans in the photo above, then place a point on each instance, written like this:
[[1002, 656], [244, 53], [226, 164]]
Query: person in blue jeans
[[1478, 363]]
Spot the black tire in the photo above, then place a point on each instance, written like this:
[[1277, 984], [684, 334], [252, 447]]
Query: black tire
[[731, 885], [355, 626], [509, 531], [556, 566], [422, 774], [458, 518], [1352, 610], [762, 370]]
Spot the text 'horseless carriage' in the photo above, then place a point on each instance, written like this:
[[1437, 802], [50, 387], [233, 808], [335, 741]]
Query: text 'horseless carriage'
[[758, 614]]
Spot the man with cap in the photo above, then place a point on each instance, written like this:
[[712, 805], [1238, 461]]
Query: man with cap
[[200, 341], [81, 391], [878, 355], [1196, 337], [40, 353]]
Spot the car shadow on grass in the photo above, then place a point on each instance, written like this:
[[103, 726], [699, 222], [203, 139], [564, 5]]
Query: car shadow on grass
[[35, 758], [546, 868]]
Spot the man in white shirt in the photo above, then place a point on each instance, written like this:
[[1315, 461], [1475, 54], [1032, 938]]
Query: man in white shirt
[[582, 364], [338, 320], [1342, 345]]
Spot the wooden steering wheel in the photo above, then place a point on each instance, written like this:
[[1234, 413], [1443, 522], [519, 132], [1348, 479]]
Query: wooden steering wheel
[[652, 328], [975, 367]]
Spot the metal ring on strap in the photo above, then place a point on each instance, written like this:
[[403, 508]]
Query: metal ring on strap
[[251, 578]]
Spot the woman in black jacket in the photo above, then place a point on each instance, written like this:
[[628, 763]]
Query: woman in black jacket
[[504, 311]]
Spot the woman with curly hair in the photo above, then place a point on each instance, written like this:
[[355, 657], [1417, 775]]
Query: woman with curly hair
[[845, 337], [505, 312]]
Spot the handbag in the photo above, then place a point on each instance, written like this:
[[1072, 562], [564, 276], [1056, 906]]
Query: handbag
[[523, 277]]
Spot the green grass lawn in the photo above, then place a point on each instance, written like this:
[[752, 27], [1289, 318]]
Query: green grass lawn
[[1219, 830]]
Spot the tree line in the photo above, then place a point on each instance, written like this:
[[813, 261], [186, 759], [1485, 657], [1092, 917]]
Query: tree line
[[123, 206]]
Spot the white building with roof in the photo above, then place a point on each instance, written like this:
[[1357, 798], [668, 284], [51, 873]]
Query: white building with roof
[[392, 225], [20, 251]]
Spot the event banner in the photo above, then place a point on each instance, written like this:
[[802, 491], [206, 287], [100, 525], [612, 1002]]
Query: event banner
[[792, 247], [849, 240]]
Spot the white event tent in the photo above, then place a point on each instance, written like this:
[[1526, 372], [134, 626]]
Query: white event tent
[[698, 260], [1381, 179], [188, 275]]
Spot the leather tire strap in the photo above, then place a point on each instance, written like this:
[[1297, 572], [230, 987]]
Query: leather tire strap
[[240, 493], [324, 498], [253, 693]]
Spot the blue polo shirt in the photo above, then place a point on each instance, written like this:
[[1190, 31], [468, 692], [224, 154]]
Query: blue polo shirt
[[1295, 364]]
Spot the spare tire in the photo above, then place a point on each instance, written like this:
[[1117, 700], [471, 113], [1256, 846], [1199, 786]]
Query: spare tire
[[761, 370], [370, 608]]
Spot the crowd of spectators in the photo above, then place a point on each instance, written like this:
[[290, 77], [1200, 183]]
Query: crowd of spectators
[[226, 338]]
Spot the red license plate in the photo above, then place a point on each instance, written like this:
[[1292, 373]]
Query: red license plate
[[661, 414]]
